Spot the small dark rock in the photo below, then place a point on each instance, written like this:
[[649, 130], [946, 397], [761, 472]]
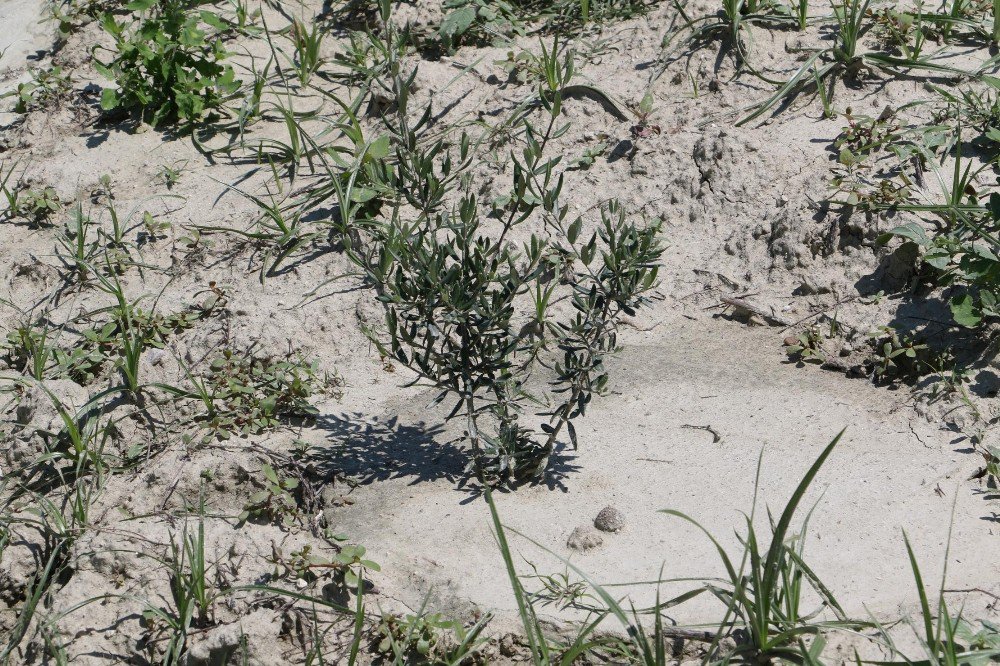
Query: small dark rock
[[610, 519]]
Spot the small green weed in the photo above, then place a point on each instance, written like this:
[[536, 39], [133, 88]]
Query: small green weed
[[425, 636], [846, 58], [733, 24], [482, 21], [192, 596], [479, 21], [559, 589], [167, 61], [945, 637], [864, 135], [898, 355], [245, 396], [992, 456], [170, 174], [965, 258], [11, 192], [807, 346], [36, 205], [275, 501], [79, 245], [45, 87], [590, 155], [153, 229], [28, 347], [71, 15], [243, 18], [308, 43]]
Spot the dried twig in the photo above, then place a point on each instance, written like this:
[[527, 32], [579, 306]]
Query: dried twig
[[750, 308], [716, 437]]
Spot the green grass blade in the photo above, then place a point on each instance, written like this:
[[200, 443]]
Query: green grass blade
[[359, 623], [790, 85], [778, 540], [531, 627], [925, 609]]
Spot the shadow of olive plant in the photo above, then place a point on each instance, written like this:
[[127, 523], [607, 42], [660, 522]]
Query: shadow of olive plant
[[368, 449]]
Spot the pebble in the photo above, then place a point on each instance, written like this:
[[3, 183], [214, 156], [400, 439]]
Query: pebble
[[156, 356], [610, 519], [584, 538]]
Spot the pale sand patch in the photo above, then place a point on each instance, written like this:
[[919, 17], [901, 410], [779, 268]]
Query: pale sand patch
[[637, 453]]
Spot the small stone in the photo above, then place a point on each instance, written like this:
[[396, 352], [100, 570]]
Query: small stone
[[508, 645], [156, 356], [584, 538], [214, 646], [610, 519]]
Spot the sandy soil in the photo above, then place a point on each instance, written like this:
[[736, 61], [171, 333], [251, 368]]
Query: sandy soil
[[697, 393], [639, 453]]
